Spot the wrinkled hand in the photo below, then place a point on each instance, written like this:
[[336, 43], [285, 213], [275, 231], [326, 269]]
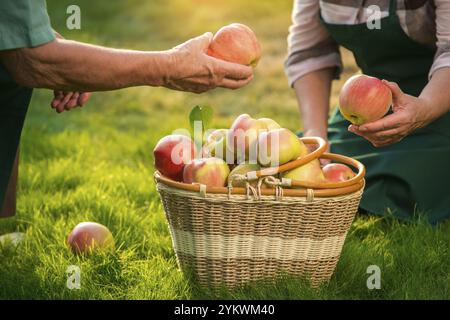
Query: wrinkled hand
[[195, 71], [409, 114], [65, 101]]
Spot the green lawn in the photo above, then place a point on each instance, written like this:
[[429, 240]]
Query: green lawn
[[95, 164]]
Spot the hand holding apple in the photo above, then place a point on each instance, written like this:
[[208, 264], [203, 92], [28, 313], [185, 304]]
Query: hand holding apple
[[409, 114], [364, 99], [236, 43]]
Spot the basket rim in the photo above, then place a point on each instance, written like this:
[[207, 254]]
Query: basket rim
[[325, 190]]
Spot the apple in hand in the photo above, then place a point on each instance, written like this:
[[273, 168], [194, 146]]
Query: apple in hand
[[279, 146], [172, 153], [212, 172], [337, 172], [236, 43], [243, 169], [89, 236], [310, 172], [364, 99]]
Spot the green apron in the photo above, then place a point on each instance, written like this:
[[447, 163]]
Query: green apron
[[412, 176]]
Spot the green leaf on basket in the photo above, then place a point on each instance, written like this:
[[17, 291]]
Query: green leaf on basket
[[199, 119]]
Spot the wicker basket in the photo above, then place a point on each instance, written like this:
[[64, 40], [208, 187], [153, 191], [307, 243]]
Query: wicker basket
[[230, 236]]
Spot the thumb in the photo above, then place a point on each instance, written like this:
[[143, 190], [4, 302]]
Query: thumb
[[397, 93], [202, 42]]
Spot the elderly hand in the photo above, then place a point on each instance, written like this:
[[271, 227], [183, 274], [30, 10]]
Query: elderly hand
[[68, 100], [191, 69], [409, 113]]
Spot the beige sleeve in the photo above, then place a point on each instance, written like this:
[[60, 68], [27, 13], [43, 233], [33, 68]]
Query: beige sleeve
[[442, 58], [310, 47]]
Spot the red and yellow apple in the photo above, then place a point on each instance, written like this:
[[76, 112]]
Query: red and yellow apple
[[236, 43], [364, 99], [279, 146], [216, 144], [243, 136], [309, 172], [89, 236], [337, 172], [172, 153], [212, 172]]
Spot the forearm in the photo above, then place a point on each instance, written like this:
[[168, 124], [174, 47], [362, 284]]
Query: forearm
[[436, 94], [70, 65], [313, 95]]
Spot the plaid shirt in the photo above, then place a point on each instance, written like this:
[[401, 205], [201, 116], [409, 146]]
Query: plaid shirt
[[311, 48]]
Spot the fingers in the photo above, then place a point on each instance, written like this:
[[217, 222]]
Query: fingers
[[382, 138], [65, 101], [232, 70], [234, 84], [200, 43], [388, 122], [73, 102], [397, 93], [58, 96], [84, 97], [61, 106]]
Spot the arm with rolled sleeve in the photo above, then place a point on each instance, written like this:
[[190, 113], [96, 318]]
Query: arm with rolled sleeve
[[313, 62], [442, 58], [310, 47]]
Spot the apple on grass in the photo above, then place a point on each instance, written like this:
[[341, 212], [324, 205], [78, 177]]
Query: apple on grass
[[212, 172], [89, 236], [279, 146], [364, 99], [172, 153], [337, 172], [236, 43]]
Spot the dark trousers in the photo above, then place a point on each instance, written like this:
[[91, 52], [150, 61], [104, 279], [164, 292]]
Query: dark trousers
[[9, 203]]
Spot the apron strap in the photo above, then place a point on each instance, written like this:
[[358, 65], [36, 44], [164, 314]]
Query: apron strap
[[392, 8]]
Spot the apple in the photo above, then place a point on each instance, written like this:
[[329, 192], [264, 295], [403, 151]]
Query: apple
[[212, 172], [336, 172], [236, 43], [243, 169], [269, 123], [216, 144], [242, 137], [279, 146], [364, 99], [310, 172], [89, 236], [172, 153]]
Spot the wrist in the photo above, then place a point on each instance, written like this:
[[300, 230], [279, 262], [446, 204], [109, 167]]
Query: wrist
[[316, 132], [428, 111], [158, 68]]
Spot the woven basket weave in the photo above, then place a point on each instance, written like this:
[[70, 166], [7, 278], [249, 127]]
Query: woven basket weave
[[230, 237]]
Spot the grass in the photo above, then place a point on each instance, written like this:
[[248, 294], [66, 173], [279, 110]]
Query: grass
[[95, 164]]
